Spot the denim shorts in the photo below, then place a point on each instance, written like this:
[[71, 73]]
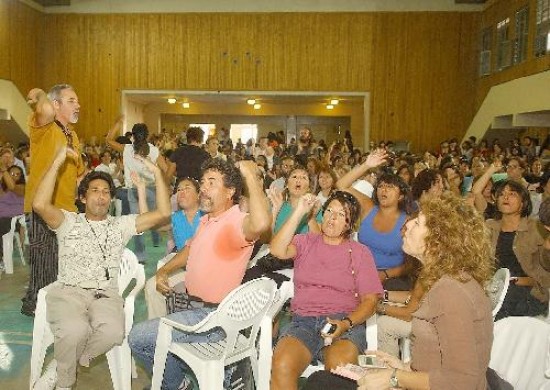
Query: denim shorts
[[308, 331]]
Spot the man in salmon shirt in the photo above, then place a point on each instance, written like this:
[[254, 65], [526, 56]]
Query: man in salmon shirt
[[215, 258]]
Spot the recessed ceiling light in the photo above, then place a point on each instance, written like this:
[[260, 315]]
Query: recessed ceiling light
[[185, 105], [334, 102], [172, 100], [251, 101], [330, 106], [257, 106]]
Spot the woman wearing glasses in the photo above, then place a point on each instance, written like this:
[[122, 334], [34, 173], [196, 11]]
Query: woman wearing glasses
[[382, 218], [335, 282]]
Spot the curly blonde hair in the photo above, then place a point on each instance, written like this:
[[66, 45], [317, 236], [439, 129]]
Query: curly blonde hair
[[457, 242]]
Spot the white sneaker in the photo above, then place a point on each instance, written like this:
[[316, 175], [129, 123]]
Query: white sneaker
[[48, 380]]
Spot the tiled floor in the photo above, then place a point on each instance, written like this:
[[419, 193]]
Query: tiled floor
[[16, 334]]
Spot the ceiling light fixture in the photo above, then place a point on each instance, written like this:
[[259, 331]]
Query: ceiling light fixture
[[334, 102], [251, 101], [185, 105], [172, 101], [257, 106], [330, 106]]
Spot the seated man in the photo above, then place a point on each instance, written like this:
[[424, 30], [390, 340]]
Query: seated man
[[216, 258], [185, 222], [83, 307]]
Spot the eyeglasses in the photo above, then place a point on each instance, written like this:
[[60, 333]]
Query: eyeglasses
[[341, 214]]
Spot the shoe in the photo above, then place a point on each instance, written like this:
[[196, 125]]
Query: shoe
[[28, 309], [186, 384], [48, 379]]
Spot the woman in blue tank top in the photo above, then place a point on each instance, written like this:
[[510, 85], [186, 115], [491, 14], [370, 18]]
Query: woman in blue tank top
[[382, 218]]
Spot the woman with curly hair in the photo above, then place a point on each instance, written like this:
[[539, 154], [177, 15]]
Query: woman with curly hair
[[453, 327]]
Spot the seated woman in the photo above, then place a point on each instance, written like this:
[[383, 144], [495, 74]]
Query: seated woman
[[335, 281], [382, 218], [326, 181], [453, 327], [12, 193], [519, 246]]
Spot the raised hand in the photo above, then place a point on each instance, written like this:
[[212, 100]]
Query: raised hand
[[376, 158], [306, 203], [151, 166], [62, 154], [136, 180], [275, 196]]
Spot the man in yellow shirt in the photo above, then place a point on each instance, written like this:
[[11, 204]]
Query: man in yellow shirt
[[50, 129]]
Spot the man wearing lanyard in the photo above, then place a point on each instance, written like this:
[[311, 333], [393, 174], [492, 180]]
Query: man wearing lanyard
[[83, 307]]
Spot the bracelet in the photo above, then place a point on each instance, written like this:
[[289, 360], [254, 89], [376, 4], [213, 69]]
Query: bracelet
[[386, 295], [349, 321], [382, 308], [408, 299], [386, 274]]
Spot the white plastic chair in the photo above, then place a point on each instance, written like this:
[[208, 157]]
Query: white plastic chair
[[497, 288], [7, 243], [242, 309], [119, 357], [520, 352]]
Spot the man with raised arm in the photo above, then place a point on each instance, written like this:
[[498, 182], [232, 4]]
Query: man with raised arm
[[50, 128], [83, 307], [216, 257]]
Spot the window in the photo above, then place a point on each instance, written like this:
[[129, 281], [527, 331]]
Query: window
[[485, 53], [244, 132], [504, 57], [542, 41], [522, 34]]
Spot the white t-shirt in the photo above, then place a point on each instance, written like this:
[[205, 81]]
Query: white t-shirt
[[133, 164]]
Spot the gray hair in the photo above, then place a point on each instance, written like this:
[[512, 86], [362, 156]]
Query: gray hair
[[55, 91]]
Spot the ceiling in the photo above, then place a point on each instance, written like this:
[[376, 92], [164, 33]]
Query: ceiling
[[146, 97], [173, 6]]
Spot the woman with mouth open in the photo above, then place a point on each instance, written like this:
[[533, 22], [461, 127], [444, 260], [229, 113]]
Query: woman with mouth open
[[382, 218], [335, 282]]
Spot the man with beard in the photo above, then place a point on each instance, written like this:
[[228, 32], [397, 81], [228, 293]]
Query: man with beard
[[83, 307], [302, 148], [50, 129], [215, 258]]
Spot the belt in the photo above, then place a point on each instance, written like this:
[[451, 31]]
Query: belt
[[206, 304]]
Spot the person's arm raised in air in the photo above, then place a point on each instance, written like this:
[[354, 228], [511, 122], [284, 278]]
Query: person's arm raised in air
[[161, 214], [258, 219], [111, 135], [42, 107], [281, 245], [141, 191], [480, 203], [345, 183], [42, 203]]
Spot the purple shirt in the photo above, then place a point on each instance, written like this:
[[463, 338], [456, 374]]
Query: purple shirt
[[11, 204], [323, 279]]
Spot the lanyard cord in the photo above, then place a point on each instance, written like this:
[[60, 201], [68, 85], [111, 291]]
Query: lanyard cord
[[100, 247]]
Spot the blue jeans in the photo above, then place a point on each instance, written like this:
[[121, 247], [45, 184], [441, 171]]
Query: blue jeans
[[139, 242], [143, 338]]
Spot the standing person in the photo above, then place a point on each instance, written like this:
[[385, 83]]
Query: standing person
[[12, 192], [83, 307], [50, 129], [131, 158], [186, 161], [213, 146], [215, 258], [287, 164]]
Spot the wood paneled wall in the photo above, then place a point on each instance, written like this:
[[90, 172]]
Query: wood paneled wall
[[419, 67], [21, 34]]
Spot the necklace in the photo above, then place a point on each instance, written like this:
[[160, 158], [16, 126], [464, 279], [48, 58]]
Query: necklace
[[356, 294], [102, 249]]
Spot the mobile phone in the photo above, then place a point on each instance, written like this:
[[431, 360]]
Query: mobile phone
[[371, 361], [328, 328]]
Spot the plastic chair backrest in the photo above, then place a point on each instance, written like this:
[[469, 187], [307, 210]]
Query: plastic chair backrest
[[520, 351], [497, 288]]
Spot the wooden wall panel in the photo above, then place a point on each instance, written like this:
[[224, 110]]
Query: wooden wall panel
[[21, 31], [419, 67], [423, 76]]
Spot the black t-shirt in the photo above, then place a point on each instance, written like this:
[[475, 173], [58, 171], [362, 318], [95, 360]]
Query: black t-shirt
[[188, 160], [505, 254]]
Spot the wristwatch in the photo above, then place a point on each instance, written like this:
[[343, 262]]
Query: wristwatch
[[393, 380]]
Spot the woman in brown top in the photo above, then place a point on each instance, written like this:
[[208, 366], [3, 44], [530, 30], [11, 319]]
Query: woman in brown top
[[453, 327]]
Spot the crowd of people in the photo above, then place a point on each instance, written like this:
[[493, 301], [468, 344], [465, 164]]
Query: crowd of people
[[362, 228]]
